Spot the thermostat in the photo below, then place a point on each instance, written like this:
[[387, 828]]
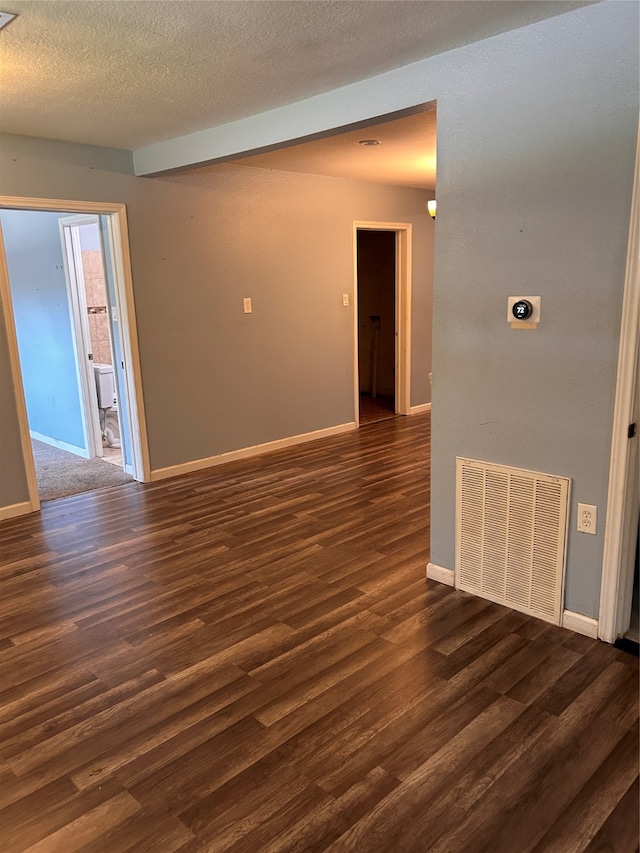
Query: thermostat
[[522, 309], [523, 312]]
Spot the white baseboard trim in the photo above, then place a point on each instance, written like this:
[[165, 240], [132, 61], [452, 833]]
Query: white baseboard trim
[[14, 510], [418, 410], [63, 445], [246, 452], [580, 624], [440, 574]]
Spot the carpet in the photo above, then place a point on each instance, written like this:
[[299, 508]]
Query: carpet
[[61, 474]]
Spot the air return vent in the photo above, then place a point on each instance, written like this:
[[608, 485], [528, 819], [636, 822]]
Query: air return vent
[[511, 529]]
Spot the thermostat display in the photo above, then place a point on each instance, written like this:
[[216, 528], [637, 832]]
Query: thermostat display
[[522, 309], [523, 312]]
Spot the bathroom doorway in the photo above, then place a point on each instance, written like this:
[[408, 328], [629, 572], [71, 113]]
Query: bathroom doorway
[[96, 335], [70, 332]]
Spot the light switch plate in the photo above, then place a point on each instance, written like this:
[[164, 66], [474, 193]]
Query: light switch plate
[[345, 300], [246, 305]]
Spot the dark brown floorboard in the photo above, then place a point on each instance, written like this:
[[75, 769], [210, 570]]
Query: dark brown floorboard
[[374, 409], [250, 659]]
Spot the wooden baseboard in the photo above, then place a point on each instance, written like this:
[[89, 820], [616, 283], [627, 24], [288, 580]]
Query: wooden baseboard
[[14, 510], [246, 452], [580, 624], [418, 410], [440, 574]]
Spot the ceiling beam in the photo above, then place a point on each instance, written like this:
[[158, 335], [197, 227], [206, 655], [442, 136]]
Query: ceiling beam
[[397, 92]]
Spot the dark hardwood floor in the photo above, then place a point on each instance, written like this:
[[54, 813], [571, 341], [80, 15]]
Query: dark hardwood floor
[[374, 409], [250, 659]]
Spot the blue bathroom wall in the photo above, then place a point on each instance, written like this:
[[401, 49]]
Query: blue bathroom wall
[[43, 325]]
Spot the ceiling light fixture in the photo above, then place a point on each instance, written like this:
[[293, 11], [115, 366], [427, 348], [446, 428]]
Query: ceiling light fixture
[[6, 18], [431, 207], [369, 142]]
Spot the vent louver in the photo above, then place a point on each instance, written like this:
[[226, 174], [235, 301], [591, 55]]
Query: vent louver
[[511, 528]]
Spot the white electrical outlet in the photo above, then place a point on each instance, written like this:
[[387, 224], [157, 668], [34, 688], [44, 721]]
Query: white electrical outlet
[[587, 518], [246, 305], [345, 300]]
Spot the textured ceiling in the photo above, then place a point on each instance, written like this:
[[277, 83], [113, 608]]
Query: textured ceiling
[[406, 155], [128, 73]]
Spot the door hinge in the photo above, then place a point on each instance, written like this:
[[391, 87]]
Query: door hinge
[[631, 431]]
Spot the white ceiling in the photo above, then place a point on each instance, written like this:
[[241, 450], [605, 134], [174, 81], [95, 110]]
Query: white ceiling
[[129, 73]]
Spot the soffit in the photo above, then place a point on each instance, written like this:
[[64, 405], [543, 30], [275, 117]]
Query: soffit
[[406, 155]]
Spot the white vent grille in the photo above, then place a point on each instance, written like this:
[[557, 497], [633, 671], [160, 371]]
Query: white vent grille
[[511, 529]]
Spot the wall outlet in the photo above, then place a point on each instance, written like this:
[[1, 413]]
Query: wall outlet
[[246, 305], [345, 300], [587, 518]]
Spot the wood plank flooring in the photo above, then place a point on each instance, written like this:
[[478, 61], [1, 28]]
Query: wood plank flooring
[[250, 659]]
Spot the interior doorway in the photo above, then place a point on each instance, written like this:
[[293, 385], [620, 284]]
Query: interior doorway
[[97, 338], [376, 325], [66, 298], [382, 288]]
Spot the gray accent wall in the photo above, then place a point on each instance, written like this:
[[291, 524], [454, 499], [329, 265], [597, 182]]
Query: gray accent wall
[[536, 140], [535, 173], [286, 241]]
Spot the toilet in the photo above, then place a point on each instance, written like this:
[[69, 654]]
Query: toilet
[[107, 403]]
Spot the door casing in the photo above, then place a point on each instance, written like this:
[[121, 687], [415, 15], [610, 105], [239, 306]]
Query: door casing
[[622, 498], [72, 255], [121, 262]]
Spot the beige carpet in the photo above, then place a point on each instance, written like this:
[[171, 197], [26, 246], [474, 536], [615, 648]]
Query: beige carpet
[[61, 474]]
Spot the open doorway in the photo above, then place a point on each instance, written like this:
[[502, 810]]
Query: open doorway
[[376, 325], [94, 311], [70, 337], [382, 320], [619, 597]]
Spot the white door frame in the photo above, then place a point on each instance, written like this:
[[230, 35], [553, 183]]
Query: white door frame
[[72, 254], [403, 283], [121, 258], [616, 589]]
